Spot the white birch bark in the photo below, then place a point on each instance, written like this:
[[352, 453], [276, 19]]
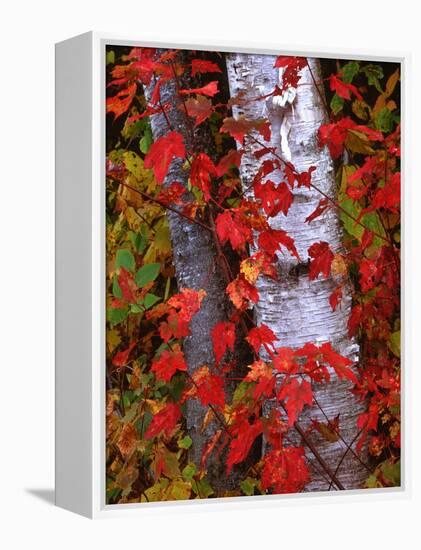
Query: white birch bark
[[295, 308]]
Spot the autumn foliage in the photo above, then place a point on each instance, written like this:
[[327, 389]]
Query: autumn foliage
[[149, 383]]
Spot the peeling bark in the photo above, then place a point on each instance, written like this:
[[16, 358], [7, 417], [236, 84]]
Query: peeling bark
[[295, 308]]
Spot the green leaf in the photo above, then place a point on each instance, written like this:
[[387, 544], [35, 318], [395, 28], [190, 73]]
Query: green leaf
[[143, 423], [146, 141], [110, 57], [240, 392], [374, 73], [372, 482], [154, 493], [136, 308], [202, 488], [147, 274], [392, 472], [178, 490], [185, 443], [167, 289], [370, 221], [351, 211], [116, 288], [117, 315], [349, 70], [139, 240], [124, 258], [248, 485], [336, 104], [395, 343], [150, 300], [189, 471], [384, 120]]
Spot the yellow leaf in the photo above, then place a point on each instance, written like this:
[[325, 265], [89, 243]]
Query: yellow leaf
[[134, 221], [391, 83], [209, 417], [127, 440], [395, 343], [390, 86], [113, 339], [339, 267], [358, 142], [178, 490], [361, 109], [250, 270], [144, 177]]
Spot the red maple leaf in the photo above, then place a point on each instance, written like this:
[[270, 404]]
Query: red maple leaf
[[321, 208], [182, 307], [232, 158], [367, 421], [141, 68], [162, 153], [260, 336], [223, 337], [275, 198], [343, 89], [168, 363], [304, 178], [172, 194], [201, 66], [210, 89], [295, 395], [240, 446], [174, 327], [322, 258], [199, 108], [334, 135], [127, 285], [291, 66], [241, 292], [370, 273], [229, 227], [239, 127], [284, 361], [202, 170], [338, 362], [355, 319], [261, 373], [271, 240], [121, 358], [207, 387], [187, 302], [120, 103], [369, 167], [335, 298], [164, 421], [285, 470], [388, 196]]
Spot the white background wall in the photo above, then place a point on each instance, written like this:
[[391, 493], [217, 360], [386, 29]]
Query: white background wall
[[28, 32]]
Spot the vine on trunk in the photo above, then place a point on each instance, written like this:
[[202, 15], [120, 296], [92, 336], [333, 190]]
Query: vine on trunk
[[148, 383]]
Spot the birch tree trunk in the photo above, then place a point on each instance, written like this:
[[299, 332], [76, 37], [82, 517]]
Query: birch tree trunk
[[196, 266], [295, 308]]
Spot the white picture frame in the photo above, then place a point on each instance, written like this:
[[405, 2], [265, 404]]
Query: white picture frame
[[80, 279]]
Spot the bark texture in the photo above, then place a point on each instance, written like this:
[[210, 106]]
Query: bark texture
[[295, 308], [196, 266]]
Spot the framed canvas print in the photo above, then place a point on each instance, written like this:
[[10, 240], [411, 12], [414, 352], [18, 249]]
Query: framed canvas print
[[228, 274]]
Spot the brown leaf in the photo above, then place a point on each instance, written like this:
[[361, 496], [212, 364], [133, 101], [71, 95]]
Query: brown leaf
[[127, 440]]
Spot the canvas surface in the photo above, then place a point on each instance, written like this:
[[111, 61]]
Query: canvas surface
[[253, 274]]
